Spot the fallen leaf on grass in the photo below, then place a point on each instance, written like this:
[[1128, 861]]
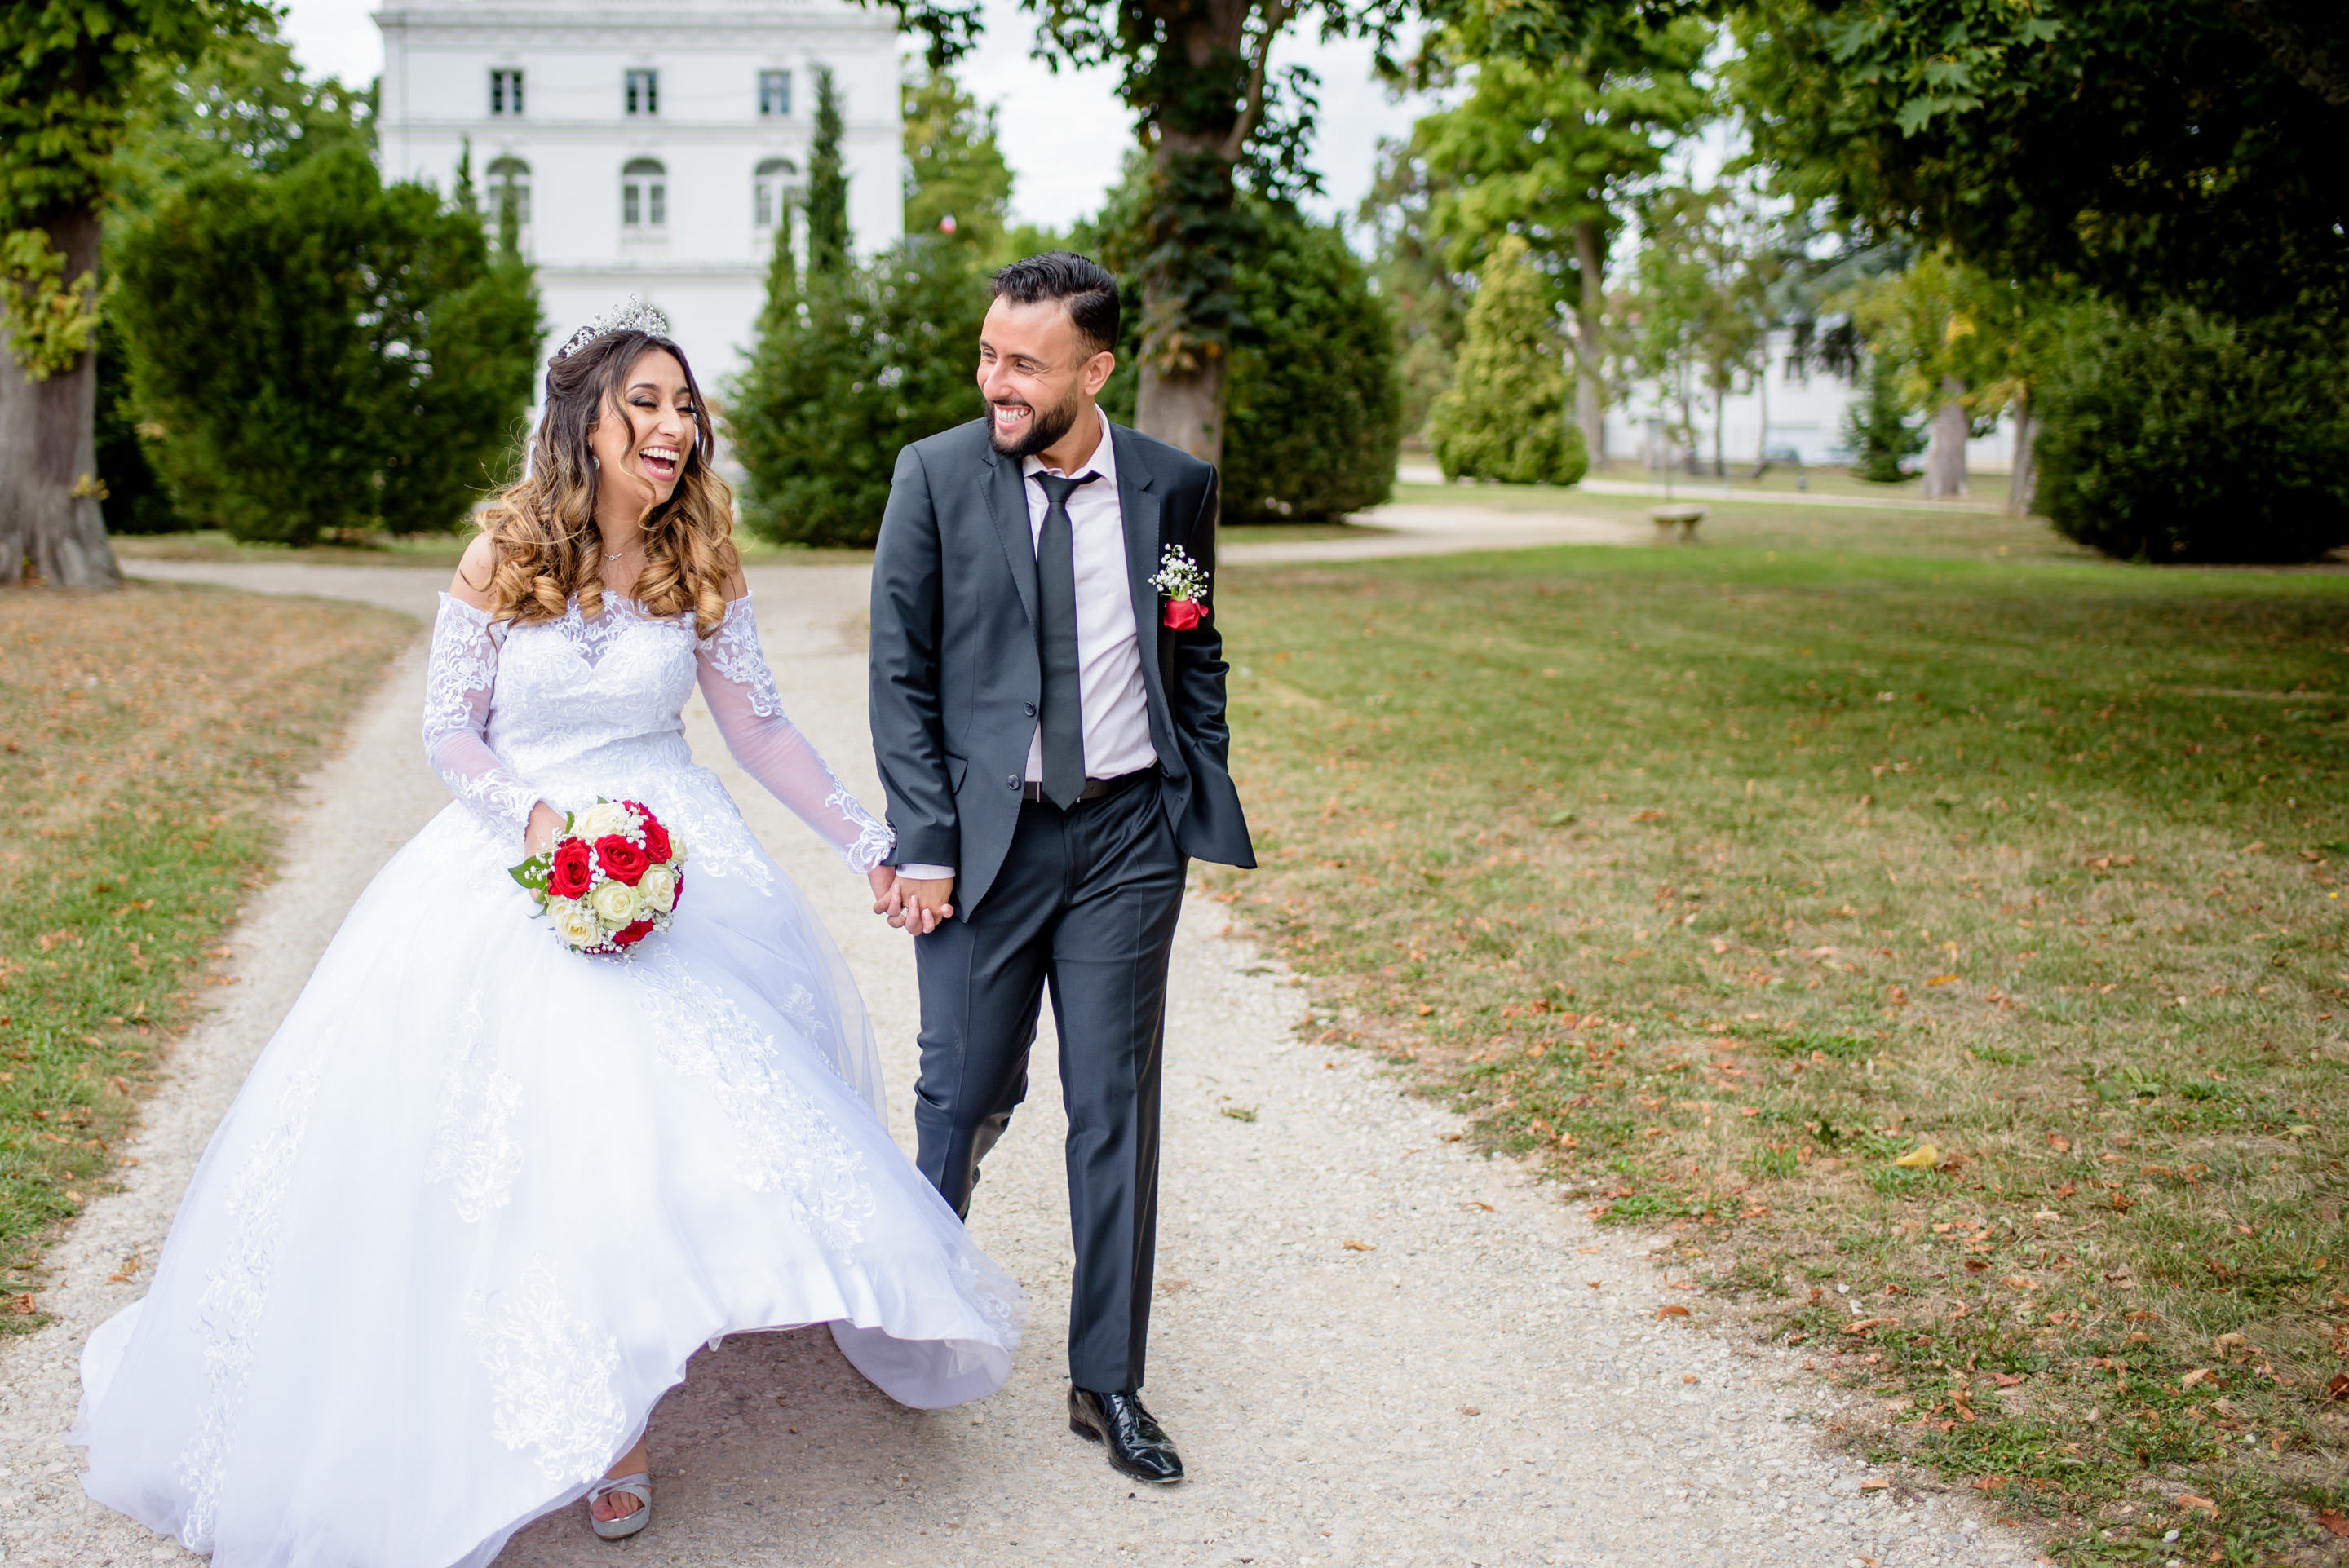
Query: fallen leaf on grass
[[2198, 1376], [1990, 1483], [1924, 1157], [1865, 1324], [23, 1305], [2339, 1388], [2006, 1379], [1942, 980], [1354, 1246], [2059, 1143], [2188, 1499], [1670, 1311], [2332, 1521]]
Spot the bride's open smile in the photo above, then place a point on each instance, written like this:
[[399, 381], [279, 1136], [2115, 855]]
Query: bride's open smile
[[641, 452]]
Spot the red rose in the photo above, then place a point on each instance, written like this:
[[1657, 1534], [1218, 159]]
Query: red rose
[[572, 871], [657, 844], [621, 859], [1183, 614], [630, 934]]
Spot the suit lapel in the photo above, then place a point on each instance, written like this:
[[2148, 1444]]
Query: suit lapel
[[1008, 504], [1138, 501]]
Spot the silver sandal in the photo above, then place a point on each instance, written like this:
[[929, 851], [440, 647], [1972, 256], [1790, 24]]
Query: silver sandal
[[639, 1486]]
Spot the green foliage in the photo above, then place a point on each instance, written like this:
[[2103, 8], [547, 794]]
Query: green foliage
[[70, 75], [50, 323], [137, 500], [1700, 296], [1504, 417], [956, 182], [245, 102], [1313, 418], [1877, 428], [324, 353], [846, 374], [2179, 437], [1430, 307], [828, 241], [2195, 161]]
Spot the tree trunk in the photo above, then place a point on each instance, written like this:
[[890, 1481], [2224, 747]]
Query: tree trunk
[[1184, 408], [1589, 403], [1720, 416], [51, 529], [1945, 452], [2019, 482], [1762, 408]]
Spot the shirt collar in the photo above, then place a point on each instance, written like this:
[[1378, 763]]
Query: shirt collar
[[1103, 460]]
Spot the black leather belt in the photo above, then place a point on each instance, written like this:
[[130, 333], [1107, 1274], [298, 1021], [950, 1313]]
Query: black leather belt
[[1095, 788]]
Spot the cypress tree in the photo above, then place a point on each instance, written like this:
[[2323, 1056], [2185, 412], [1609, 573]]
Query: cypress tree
[[827, 189], [1504, 417]]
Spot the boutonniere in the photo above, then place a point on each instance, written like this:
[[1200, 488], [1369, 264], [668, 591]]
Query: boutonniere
[[1185, 583]]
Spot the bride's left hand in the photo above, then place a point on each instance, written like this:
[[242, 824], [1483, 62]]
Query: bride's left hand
[[884, 888]]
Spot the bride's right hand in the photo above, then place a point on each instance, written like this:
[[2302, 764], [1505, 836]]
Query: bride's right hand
[[546, 821]]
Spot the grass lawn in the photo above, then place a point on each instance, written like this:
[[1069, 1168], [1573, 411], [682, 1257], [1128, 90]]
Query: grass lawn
[[147, 738], [1945, 938]]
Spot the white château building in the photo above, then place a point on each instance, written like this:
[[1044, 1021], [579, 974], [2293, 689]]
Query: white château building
[[648, 150]]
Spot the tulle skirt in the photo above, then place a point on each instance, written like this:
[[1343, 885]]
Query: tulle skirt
[[481, 1198]]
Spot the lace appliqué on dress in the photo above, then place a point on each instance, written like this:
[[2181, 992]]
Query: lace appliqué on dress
[[473, 1153], [229, 1313], [457, 681], [790, 1143], [551, 1375], [772, 749]]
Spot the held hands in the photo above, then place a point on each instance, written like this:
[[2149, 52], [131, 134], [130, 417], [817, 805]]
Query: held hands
[[911, 903]]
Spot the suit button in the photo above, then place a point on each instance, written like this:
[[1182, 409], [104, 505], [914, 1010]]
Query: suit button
[[1030, 709], [1011, 782]]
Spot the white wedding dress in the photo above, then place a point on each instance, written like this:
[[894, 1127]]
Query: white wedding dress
[[482, 1197]]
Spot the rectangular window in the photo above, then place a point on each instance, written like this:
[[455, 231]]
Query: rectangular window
[[657, 199], [631, 208], [505, 92], [774, 94], [644, 92]]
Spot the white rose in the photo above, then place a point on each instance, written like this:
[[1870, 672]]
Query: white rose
[[659, 890], [615, 903], [601, 818], [574, 921]]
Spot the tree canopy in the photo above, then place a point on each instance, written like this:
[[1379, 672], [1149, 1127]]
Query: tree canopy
[[2151, 148]]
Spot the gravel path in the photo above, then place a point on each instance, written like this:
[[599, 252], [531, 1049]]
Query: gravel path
[[1374, 1346]]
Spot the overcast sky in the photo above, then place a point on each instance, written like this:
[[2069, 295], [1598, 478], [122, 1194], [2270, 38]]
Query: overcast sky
[[1064, 134]]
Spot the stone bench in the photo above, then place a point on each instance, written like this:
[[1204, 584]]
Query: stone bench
[[1682, 517]]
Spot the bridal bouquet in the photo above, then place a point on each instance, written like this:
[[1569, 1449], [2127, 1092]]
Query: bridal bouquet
[[611, 878]]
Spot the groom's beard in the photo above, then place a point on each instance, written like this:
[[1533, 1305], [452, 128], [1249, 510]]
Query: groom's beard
[[1045, 427]]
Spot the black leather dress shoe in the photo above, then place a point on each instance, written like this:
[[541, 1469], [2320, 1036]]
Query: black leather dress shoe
[[1137, 1446]]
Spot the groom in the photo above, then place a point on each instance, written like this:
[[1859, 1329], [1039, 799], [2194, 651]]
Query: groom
[[1051, 735]]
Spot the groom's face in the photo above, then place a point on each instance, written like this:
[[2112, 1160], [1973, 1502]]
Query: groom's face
[[1037, 374]]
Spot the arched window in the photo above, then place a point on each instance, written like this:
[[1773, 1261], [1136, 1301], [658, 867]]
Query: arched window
[[509, 193], [772, 191], [643, 194]]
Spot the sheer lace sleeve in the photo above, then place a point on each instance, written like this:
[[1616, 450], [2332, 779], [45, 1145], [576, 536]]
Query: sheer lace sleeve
[[457, 688], [741, 695]]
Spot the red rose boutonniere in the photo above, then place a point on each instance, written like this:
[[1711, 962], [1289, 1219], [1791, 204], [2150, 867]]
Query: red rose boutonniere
[[1185, 583]]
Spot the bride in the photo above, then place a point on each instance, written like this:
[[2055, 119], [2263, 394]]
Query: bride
[[482, 1197]]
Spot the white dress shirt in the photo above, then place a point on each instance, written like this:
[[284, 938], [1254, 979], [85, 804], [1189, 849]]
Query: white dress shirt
[[1109, 646]]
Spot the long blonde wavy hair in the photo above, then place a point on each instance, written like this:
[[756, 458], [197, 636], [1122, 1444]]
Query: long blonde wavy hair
[[542, 529]]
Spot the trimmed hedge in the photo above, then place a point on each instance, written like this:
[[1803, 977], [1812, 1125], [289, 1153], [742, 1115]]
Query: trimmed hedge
[[2178, 437]]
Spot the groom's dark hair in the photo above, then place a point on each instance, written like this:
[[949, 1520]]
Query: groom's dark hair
[[1085, 285]]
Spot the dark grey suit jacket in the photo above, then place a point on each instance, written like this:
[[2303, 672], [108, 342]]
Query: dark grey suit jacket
[[955, 667]]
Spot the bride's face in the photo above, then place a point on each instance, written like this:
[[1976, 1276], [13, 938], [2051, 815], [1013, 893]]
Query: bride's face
[[641, 448]]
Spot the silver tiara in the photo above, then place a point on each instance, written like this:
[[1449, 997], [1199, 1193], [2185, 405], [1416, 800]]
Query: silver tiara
[[631, 314]]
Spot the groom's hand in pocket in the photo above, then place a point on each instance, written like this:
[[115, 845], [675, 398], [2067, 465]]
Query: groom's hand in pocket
[[922, 905]]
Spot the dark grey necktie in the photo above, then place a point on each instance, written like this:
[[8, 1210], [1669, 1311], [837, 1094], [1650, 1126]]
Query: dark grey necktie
[[1063, 720]]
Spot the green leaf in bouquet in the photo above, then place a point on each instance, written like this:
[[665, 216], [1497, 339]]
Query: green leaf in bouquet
[[533, 873]]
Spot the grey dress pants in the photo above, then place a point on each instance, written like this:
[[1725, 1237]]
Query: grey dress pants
[[1086, 904]]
